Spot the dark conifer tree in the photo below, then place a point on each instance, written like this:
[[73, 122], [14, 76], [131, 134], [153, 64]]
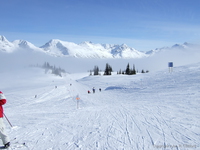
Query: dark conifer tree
[[108, 69], [128, 69], [96, 70], [133, 71], [120, 72]]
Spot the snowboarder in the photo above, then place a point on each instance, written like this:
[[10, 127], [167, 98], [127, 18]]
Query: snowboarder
[[4, 137], [99, 89], [93, 90], [88, 92]]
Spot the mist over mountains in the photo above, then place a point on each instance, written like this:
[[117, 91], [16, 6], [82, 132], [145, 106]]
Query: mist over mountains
[[84, 56], [58, 48]]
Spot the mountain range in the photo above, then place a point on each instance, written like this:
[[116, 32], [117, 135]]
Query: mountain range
[[58, 48]]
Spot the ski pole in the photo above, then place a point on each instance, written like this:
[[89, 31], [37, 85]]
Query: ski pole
[[7, 119]]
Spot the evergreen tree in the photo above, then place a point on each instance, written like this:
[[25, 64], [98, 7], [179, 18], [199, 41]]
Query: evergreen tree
[[133, 71], [54, 70], [108, 69], [96, 70], [120, 72], [128, 69]]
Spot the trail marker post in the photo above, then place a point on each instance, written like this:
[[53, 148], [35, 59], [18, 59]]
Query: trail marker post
[[170, 65], [77, 99]]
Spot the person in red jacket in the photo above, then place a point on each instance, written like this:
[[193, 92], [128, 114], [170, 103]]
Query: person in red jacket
[[3, 135]]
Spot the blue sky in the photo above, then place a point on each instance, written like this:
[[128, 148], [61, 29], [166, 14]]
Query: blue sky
[[141, 24]]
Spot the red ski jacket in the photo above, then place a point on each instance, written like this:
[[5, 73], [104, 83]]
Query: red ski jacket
[[2, 102]]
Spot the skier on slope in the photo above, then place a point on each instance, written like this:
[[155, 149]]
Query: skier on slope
[[4, 137]]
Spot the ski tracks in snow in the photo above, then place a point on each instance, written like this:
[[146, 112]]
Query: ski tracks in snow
[[128, 118]]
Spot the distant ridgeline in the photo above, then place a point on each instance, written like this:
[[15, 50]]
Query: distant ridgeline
[[52, 69]]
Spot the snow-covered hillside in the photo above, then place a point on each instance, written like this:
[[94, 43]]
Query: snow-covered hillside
[[158, 110]]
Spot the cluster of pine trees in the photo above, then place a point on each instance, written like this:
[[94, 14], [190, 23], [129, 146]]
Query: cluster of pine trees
[[130, 71], [108, 70], [53, 69], [97, 71]]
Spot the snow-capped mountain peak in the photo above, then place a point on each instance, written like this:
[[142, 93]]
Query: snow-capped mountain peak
[[185, 45], [23, 44], [177, 47], [3, 38], [5, 45], [87, 49], [9, 47], [86, 43], [124, 46], [56, 47]]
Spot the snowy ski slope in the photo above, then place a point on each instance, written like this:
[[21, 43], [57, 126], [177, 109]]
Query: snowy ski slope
[[157, 110]]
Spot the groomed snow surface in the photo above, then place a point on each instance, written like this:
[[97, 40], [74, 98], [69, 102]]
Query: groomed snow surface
[[158, 110]]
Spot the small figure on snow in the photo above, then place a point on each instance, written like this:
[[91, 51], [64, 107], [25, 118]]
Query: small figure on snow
[[4, 137], [99, 89], [88, 92], [93, 90]]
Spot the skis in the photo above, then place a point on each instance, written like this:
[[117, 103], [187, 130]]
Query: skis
[[3, 147], [15, 145]]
